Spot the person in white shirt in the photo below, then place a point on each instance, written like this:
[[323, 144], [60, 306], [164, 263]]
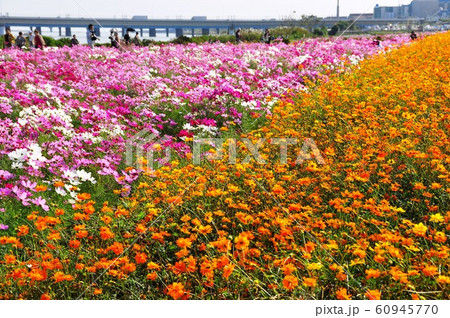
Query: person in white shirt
[[91, 37], [30, 40]]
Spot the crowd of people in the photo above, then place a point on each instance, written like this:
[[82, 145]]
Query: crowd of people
[[36, 40], [114, 38], [33, 40]]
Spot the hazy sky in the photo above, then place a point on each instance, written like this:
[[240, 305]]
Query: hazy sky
[[188, 8]]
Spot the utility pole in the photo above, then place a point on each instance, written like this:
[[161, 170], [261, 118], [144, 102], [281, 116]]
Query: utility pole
[[337, 11]]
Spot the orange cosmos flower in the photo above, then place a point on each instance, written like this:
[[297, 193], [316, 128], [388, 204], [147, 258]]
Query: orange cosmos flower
[[23, 230], [241, 242], [79, 266], [290, 282], [83, 196], [341, 276], [277, 189], [140, 258], [419, 186], [58, 184], [183, 242], [74, 244], [10, 259], [440, 237], [175, 200], [116, 248], [309, 282], [60, 276], [105, 233], [205, 229], [222, 244], [227, 270], [435, 185], [341, 294], [179, 268], [106, 219], [443, 279], [152, 276], [41, 188], [153, 266], [372, 273], [373, 294], [140, 228], [430, 270], [288, 269], [175, 290], [45, 297], [98, 291], [419, 229]]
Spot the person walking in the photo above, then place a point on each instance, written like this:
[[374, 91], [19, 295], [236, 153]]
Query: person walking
[[267, 38], [30, 40], [115, 41], [238, 36], [20, 41], [127, 38], [137, 40], [39, 42], [74, 41], [9, 39], [90, 36]]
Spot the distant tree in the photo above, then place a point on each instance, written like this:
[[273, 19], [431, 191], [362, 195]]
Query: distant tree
[[320, 31], [309, 21], [341, 26]]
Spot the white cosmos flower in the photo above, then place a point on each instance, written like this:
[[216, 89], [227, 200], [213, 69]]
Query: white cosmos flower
[[60, 191], [18, 155], [85, 176]]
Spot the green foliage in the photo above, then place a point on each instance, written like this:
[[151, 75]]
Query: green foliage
[[341, 26], [182, 40], [320, 31], [63, 42], [49, 41], [253, 36]]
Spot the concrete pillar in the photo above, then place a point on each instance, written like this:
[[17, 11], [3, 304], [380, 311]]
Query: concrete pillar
[[193, 32], [39, 29], [60, 31], [205, 31], [152, 33], [68, 32], [142, 33], [218, 31], [178, 32], [167, 32]]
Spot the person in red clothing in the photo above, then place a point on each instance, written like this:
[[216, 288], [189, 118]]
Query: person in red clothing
[[39, 42]]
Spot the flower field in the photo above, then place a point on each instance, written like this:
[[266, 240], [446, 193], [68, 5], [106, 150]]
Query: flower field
[[371, 223]]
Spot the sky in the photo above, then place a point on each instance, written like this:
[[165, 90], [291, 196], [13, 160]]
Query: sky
[[185, 9]]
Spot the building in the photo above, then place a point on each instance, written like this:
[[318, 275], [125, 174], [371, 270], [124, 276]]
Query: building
[[424, 8], [362, 16], [445, 8], [399, 12]]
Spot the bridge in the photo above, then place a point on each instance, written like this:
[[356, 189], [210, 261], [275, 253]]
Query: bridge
[[151, 25]]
